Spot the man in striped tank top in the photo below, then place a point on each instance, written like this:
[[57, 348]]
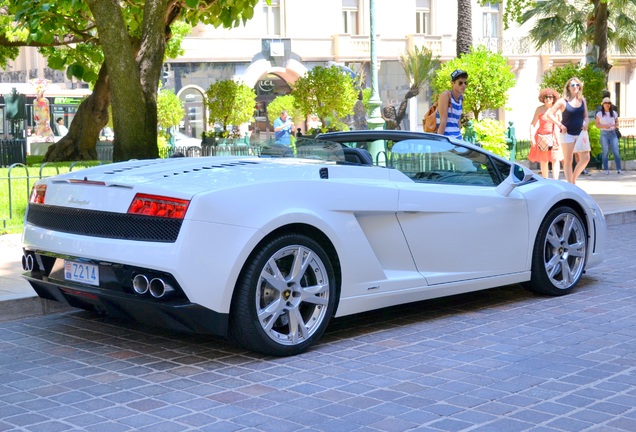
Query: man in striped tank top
[[450, 105]]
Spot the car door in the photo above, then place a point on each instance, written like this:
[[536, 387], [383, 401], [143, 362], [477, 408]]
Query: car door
[[457, 226]]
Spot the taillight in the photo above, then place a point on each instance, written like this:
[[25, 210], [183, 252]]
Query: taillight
[[159, 206], [37, 194]]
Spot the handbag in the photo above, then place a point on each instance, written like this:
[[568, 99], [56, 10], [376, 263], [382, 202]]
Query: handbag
[[618, 132], [582, 143], [430, 119], [544, 142]]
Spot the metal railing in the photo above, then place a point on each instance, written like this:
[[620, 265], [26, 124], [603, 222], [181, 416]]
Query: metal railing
[[12, 151], [626, 147], [18, 182]]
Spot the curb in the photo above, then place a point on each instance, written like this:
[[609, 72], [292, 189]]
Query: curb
[[619, 218], [29, 306]]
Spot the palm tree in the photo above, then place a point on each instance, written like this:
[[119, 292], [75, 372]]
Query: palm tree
[[464, 27], [590, 23], [418, 66]]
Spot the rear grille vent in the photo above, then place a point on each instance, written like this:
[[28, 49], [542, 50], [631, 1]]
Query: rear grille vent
[[104, 224]]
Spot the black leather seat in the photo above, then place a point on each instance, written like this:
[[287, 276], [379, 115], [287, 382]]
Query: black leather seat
[[357, 156]]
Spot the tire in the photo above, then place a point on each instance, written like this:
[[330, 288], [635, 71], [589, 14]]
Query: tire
[[284, 297], [559, 254]]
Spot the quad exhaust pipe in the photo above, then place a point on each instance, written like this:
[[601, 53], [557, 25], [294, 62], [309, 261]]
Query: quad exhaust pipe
[[140, 284], [157, 287], [27, 262]]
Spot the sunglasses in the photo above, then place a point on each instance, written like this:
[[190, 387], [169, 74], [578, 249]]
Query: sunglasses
[[461, 83], [549, 97], [575, 85]]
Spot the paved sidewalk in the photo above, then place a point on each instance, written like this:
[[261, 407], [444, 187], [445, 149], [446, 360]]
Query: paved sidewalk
[[616, 195], [498, 360]]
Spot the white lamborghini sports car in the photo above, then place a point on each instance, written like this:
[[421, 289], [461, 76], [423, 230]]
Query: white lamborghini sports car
[[266, 250]]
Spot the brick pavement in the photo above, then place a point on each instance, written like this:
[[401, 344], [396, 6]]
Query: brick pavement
[[497, 360]]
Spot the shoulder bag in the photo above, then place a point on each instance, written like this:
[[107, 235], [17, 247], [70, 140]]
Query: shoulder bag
[[545, 142]]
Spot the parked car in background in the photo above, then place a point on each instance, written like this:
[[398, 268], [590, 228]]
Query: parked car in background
[[267, 250]]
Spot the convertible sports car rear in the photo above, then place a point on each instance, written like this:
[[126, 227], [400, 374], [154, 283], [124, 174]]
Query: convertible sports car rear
[[265, 250]]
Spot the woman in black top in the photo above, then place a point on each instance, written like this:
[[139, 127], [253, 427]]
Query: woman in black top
[[574, 120]]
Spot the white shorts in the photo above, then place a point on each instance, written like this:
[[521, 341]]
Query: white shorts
[[568, 139]]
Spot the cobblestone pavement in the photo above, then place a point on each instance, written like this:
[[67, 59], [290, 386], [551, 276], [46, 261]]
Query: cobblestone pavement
[[498, 360]]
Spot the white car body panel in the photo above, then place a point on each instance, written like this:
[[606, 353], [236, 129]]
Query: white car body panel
[[395, 240]]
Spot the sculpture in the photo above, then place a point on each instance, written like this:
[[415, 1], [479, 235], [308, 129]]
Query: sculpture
[[42, 131]]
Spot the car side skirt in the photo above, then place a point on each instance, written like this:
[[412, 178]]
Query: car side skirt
[[357, 304]]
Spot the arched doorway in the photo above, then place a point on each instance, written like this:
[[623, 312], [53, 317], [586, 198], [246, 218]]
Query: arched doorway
[[194, 119], [267, 88]]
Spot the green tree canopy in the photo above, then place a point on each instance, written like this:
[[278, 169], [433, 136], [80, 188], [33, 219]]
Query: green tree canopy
[[131, 37], [325, 92], [589, 24], [230, 103], [593, 81], [280, 103], [169, 109], [489, 78]]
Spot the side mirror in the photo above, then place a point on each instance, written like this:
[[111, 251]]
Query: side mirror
[[518, 175]]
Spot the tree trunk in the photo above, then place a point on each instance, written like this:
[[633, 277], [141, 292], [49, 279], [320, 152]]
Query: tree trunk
[[401, 111], [133, 73], [464, 27], [601, 16], [92, 115]]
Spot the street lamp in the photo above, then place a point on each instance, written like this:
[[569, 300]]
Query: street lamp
[[375, 119]]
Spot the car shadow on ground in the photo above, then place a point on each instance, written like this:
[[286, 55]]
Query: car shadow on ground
[[419, 322]]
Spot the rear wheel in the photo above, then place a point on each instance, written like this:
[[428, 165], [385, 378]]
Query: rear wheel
[[284, 298], [559, 253]]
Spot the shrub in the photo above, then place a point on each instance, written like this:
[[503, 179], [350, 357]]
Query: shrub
[[491, 134]]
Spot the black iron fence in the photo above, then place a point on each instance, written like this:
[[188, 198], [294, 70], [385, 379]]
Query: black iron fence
[[12, 151], [626, 147]]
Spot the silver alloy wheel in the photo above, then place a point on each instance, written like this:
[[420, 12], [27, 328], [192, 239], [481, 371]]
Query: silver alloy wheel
[[564, 250], [292, 295]]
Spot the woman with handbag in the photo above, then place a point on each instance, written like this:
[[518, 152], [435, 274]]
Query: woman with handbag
[[572, 124], [606, 122], [543, 136]]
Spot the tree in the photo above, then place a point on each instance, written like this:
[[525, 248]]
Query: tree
[[280, 103], [132, 37], [325, 92], [169, 109], [230, 103], [464, 27], [418, 66], [489, 78], [580, 23]]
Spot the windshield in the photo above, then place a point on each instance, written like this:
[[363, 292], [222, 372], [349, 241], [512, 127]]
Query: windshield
[[307, 148]]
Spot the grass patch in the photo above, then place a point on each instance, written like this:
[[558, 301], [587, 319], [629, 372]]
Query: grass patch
[[16, 183]]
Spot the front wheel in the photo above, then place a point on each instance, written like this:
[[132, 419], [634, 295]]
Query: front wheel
[[284, 298], [558, 258]]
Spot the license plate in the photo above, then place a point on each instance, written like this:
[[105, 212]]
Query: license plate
[[81, 272]]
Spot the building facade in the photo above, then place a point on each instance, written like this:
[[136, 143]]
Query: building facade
[[287, 38]]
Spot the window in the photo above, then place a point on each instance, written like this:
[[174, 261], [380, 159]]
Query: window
[[272, 18], [439, 161], [423, 17], [350, 17], [490, 20]]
